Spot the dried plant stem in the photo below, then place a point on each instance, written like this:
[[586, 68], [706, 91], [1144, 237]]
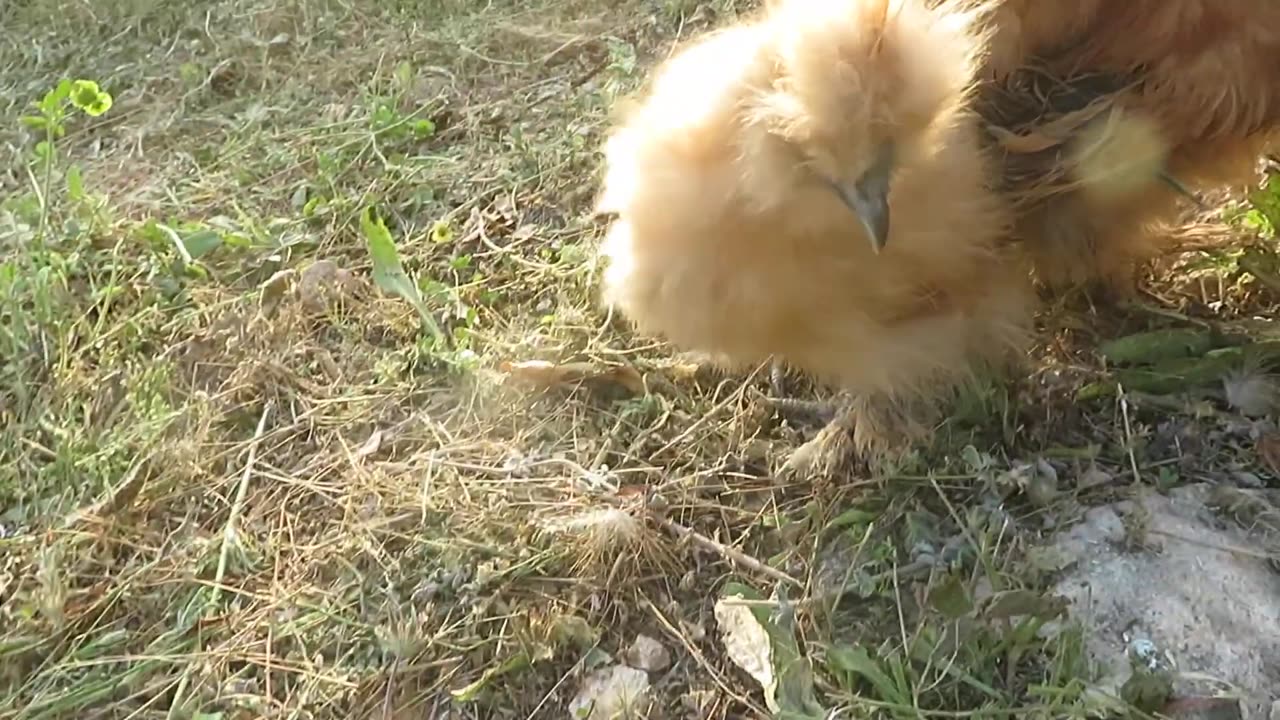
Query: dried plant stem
[[237, 505], [726, 552]]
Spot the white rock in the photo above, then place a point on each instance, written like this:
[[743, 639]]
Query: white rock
[[648, 654], [612, 693], [1216, 611]]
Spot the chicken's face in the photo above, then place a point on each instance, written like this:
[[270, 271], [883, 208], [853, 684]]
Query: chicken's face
[[860, 88], [855, 167]]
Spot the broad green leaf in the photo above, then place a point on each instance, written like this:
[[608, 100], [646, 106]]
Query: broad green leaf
[[388, 272], [854, 517], [1155, 346], [951, 598], [51, 104], [75, 183], [857, 661], [201, 243], [312, 206], [796, 695]]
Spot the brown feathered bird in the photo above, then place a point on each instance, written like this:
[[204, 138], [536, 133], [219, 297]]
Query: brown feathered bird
[[811, 186], [1109, 110]]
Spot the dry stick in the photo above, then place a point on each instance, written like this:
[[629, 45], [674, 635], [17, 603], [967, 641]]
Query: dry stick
[[237, 506], [682, 533], [228, 537], [1128, 436], [728, 553]]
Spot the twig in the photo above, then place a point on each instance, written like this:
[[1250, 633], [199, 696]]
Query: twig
[[823, 410], [1128, 436], [696, 654], [728, 553], [228, 537], [237, 505], [778, 378], [1169, 314]]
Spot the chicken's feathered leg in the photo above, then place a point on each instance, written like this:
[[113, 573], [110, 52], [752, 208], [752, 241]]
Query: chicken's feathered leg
[[863, 428]]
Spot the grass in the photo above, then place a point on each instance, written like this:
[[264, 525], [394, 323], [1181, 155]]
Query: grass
[[309, 409]]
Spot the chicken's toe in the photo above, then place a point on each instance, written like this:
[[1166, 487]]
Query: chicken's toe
[[830, 453], [778, 378]]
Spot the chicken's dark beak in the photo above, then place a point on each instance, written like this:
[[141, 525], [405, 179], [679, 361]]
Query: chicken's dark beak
[[868, 198]]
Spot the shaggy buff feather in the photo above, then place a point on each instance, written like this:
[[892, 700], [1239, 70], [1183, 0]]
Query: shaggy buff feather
[[730, 240]]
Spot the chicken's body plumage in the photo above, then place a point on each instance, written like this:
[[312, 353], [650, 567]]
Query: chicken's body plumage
[[729, 240], [1199, 78]]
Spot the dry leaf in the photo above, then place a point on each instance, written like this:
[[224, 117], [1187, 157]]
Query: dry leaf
[[684, 372], [322, 283], [747, 644], [1253, 394], [648, 654]]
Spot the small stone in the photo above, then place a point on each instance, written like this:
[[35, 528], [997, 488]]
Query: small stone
[[323, 282], [274, 290], [648, 654], [1093, 477]]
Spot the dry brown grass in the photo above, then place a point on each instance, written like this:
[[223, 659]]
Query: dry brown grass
[[266, 495]]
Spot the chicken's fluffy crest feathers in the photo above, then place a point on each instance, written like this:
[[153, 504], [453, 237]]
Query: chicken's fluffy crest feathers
[[854, 88], [891, 63]]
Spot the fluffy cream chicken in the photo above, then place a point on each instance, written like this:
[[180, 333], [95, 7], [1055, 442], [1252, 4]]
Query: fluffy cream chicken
[[1161, 95], [811, 186]]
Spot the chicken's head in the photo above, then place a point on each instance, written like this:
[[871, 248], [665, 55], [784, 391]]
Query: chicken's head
[[858, 88]]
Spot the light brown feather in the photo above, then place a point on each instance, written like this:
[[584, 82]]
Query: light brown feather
[[724, 244]]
